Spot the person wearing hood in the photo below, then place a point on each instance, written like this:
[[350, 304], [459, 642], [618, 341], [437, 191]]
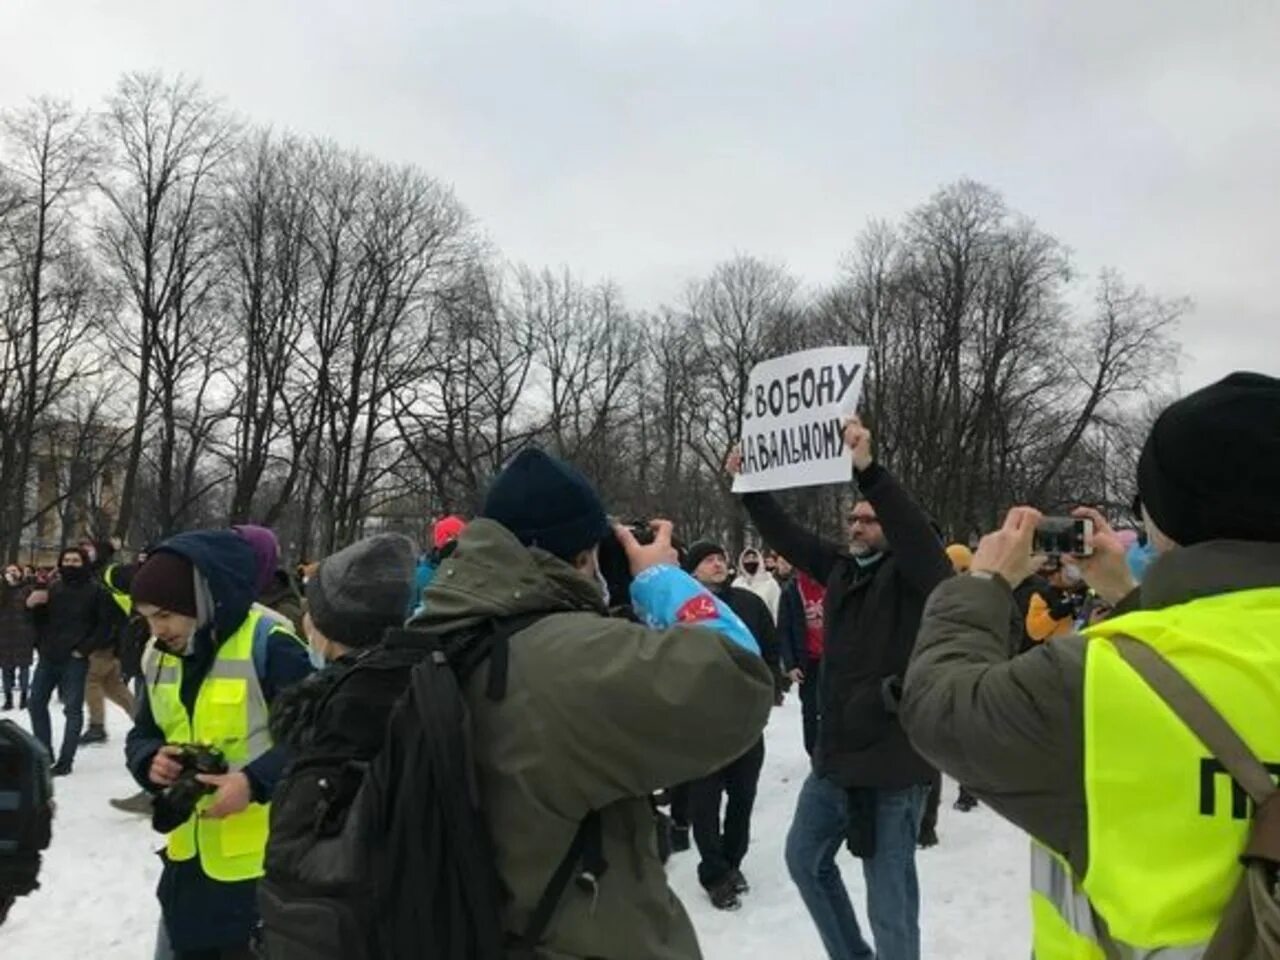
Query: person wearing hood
[[277, 594], [17, 637], [73, 617], [1131, 751], [213, 669], [753, 575], [800, 641], [723, 846], [600, 711]]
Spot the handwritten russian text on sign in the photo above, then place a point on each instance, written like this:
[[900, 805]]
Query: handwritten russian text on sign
[[793, 417]]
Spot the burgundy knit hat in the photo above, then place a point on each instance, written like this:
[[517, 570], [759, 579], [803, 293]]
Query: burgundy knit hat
[[166, 580]]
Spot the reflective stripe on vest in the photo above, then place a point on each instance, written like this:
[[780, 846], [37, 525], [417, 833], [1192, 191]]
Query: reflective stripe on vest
[[1166, 823], [122, 599], [231, 715]]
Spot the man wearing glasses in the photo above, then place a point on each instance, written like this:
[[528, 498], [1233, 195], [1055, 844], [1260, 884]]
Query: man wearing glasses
[[868, 786]]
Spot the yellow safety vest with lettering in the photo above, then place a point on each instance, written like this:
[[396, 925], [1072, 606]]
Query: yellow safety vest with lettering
[[231, 715], [121, 597], [1166, 822]]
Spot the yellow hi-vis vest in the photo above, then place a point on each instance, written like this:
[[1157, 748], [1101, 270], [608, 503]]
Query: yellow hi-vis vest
[[1166, 822], [121, 597], [230, 714]]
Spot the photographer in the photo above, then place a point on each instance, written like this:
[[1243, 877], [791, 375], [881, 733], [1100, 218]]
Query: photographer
[[213, 668], [599, 711], [1115, 749], [868, 786]]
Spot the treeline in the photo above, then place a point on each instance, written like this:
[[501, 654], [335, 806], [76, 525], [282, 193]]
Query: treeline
[[233, 323]]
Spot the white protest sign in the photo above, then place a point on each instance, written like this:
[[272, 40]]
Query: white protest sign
[[793, 417]]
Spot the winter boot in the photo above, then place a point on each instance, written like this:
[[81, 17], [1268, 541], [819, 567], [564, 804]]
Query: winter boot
[[96, 733], [139, 803], [928, 837], [723, 896], [965, 802], [61, 769], [739, 882], [679, 838]]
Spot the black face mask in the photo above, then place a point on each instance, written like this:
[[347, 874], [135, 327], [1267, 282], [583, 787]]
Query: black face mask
[[751, 566], [73, 574]]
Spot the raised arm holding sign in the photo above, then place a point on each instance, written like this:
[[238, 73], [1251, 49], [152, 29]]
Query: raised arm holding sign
[[793, 419]]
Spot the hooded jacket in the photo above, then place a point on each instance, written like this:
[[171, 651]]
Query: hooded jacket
[[761, 583], [599, 713], [201, 913]]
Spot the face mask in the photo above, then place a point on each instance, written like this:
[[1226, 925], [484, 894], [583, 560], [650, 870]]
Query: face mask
[[73, 574], [751, 566]]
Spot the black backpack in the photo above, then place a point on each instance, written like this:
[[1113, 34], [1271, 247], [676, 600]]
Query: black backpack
[[26, 812], [390, 859]]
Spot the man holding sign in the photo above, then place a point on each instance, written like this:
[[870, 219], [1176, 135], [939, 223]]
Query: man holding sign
[[868, 787]]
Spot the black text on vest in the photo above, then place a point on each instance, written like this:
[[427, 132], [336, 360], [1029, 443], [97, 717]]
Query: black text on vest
[[1241, 805]]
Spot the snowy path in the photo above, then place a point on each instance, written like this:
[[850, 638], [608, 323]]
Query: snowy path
[[97, 900]]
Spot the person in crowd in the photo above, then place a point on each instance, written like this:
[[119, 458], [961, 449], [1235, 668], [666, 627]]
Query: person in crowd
[[723, 845], [72, 618], [1094, 744], [276, 591], [600, 712], [868, 786], [800, 640], [754, 576], [1047, 604], [213, 670], [17, 637], [105, 679], [29, 575], [444, 537], [26, 813], [771, 564]]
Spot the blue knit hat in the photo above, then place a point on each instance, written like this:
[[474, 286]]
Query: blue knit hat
[[547, 503]]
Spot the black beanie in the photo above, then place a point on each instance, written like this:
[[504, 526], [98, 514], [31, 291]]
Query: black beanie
[[168, 581], [699, 552], [1210, 469], [359, 592], [547, 503]]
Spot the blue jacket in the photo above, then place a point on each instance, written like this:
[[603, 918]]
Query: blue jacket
[[793, 628], [201, 913]]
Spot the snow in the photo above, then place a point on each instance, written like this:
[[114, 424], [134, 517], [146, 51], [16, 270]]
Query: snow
[[97, 897]]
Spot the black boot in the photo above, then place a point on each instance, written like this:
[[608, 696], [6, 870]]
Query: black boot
[[740, 885], [723, 896], [965, 802], [96, 733], [61, 769], [139, 803]]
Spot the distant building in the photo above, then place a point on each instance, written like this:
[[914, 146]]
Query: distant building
[[73, 488]]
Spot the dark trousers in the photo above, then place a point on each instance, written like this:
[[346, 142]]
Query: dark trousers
[[809, 703], [723, 848], [16, 676], [680, 804], [68, 679]]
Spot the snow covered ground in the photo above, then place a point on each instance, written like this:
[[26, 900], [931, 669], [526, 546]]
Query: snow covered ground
[[97, 899]]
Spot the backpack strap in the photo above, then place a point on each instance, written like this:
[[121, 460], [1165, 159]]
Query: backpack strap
[[1199, 715], [587, 848]]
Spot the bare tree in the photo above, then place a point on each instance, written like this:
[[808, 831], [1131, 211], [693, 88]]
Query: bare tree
[[167, 139]]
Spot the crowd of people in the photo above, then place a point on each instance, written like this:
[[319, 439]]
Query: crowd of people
[[492, 747]]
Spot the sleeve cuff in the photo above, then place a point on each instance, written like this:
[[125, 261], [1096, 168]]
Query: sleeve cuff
[[869, 477]]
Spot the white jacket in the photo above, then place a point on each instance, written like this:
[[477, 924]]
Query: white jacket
[[761, 583]]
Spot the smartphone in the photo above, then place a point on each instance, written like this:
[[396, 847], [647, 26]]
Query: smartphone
[[1056, 536]]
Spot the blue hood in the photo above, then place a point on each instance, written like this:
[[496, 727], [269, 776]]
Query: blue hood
[[227, 575]]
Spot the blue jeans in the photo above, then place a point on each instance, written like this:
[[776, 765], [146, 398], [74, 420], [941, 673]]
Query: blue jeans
[[893, 894], [68, 679]]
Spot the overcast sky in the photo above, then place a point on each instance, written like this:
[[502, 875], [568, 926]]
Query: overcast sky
[[647, 140]]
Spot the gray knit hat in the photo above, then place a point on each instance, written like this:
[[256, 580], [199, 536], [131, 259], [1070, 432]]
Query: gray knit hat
[[360, 591]]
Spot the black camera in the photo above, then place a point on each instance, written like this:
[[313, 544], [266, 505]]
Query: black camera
[[172, 808], [615, 568]]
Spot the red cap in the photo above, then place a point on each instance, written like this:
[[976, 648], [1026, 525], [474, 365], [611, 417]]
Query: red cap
[[448, 529]]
